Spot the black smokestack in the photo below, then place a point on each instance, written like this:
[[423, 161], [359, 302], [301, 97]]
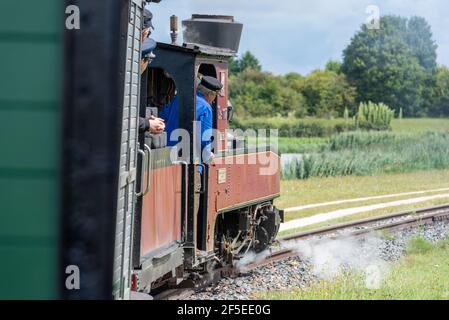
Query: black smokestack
[[215, 31]]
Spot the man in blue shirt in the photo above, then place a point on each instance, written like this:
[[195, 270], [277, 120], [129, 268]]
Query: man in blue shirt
[[207, 92]]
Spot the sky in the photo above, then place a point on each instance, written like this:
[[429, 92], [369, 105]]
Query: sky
[[298, 35]]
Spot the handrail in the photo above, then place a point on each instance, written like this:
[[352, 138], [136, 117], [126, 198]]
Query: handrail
[[149, 167], [143, 153]]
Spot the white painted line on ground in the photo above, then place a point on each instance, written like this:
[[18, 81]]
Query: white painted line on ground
[[299, 223], [324, 204]]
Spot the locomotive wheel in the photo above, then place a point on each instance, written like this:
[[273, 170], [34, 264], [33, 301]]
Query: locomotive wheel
[[271, 224], [252, 229], [262, 239]]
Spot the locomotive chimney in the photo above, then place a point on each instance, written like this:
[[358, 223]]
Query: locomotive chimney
[[174, 29], [215, 31]]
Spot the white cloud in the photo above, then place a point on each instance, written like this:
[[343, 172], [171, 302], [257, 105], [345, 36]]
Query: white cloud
[[291, 35]]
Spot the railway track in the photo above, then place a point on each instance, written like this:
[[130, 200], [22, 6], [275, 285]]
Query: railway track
[[283, 247], [363, 227]]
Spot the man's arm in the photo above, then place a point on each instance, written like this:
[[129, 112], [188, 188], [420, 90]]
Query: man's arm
[[206, 135], [144, 125], [153, 125]]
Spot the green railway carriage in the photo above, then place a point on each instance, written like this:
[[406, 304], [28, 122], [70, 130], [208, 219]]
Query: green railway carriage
[[31, 47]]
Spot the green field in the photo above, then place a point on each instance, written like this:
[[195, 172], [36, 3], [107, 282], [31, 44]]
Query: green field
[[423, 274], [314, 144], [372, 153], [301, 145], [413, 157], [316, 190], [420, 125], [319, 190], [279, 121], [293, 127]]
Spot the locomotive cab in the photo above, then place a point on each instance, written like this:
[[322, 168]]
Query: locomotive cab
[[173, 242]]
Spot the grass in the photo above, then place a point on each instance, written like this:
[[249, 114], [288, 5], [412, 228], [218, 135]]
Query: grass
[[279, 121], [314, 211], [417, 125], [419, 245], [318, 190], [364, 140], [291, 145], [293, 127], [423, 274], [371, 153], [401, 126], [420, 125], [386, 235], [301, 145], [317, 144]]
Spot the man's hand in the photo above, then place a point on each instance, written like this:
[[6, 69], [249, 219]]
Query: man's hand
[[143, 65], [145, 34], [157, 125], [212, 159]]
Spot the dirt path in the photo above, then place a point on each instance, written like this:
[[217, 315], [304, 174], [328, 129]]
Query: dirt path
[[324, 204], [298, 223]]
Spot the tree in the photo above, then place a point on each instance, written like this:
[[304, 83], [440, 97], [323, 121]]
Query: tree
[[333, 66], [293, 76], [440, 93], [327, 94], [233, 66], [420, 39], [249, 61], [384, 67], [260, 94]]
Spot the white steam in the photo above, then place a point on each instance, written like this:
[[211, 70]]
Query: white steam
[[250, 258], [331, 257]]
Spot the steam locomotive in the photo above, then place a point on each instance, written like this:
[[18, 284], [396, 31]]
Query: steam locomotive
[[236, 213], [83, 190]]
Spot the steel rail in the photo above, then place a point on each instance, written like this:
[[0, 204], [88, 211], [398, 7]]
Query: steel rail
[[363, 222], [401, 220]]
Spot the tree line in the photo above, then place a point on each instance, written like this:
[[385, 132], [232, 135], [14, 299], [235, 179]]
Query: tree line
[[395, 65]]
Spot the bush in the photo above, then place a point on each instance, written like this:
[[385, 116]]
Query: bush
[[327, 93], [339, 128], [300, 128], [254, 93], [308, 130], [261, 94], [361, 140], [372, 116]]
